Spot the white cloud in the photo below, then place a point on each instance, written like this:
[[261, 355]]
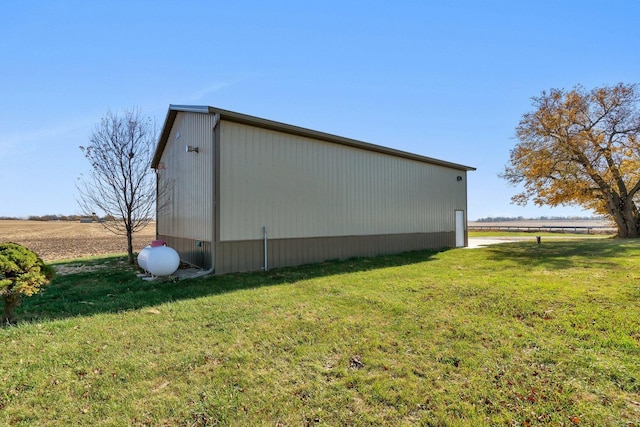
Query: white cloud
[[215, 87]]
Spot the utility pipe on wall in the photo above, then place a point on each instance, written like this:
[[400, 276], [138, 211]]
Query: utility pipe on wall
[[264, 229]]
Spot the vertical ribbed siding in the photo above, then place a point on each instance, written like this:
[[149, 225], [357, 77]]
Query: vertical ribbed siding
[[190, 251], [300, 188], [249, 255], [185, 187]]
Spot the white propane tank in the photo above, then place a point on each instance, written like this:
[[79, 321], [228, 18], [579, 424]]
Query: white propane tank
[[143, 256], [162, 261]]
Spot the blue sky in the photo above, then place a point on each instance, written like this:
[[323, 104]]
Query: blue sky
[[447, 79]]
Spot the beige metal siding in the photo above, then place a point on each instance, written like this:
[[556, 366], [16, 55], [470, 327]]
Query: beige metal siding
[[301, 188], [248, 255], [185, 184]]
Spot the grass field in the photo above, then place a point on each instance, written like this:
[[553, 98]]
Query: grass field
[[513, 334]]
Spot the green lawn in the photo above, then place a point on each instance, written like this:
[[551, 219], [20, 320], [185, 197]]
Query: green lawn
[[513, 334]]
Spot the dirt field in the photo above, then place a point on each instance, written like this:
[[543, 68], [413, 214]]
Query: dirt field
[[56, 240]]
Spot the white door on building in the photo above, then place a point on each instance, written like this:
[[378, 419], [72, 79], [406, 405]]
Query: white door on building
[[459, 229]]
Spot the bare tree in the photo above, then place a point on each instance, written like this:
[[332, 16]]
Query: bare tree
[[122, 184]]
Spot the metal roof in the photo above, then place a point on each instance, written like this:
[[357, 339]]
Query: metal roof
[[283, 127]]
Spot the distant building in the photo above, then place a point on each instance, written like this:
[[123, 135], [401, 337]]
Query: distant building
[[241, 193]]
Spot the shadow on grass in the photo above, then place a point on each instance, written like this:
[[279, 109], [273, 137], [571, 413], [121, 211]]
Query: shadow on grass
[[562, 254], [109, 285]]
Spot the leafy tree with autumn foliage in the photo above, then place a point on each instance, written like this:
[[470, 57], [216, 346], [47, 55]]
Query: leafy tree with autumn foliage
[[582, 147]]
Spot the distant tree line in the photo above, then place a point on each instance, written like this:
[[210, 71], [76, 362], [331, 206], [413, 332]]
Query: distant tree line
[[540, 218], [60, 218], [54, 218]]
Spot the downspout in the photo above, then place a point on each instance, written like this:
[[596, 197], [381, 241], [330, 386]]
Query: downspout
[[264, 229], [157, 197]]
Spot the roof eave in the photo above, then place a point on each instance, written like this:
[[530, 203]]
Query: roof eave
[[283, 127]]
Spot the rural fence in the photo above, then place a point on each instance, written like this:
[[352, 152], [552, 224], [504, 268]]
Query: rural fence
[[578, 229]]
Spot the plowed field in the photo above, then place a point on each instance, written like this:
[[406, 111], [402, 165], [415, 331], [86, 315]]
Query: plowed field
[[56, 240]]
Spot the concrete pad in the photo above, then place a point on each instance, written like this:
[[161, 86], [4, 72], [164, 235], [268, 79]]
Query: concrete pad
[[480, 242]]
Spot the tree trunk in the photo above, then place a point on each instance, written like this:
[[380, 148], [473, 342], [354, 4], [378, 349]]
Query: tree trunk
[[11, 301], [627, 222], [130, 247]]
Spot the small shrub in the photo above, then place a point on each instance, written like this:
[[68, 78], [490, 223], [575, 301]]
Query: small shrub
[[22, 272]]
